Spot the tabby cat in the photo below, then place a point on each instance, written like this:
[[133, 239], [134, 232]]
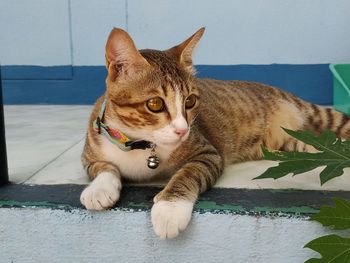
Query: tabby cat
[[155, 109]]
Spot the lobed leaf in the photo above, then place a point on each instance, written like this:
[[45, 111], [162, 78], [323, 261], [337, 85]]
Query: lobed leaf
[[289, 167], [338, 216], [334, 155], [333, 170], [325, 139], [332, 248]]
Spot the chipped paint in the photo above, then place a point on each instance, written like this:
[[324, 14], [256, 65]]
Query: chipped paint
[[201, 206], [235, 201], [26, 204]]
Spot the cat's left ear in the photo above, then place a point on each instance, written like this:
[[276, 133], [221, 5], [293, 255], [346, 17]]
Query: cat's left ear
[[184, 51]]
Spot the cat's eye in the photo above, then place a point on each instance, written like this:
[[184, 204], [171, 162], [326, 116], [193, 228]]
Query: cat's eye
[[155, 104], [190, 101]]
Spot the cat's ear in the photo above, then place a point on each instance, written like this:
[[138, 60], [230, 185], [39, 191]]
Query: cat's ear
[[123, 60], [184, 51]]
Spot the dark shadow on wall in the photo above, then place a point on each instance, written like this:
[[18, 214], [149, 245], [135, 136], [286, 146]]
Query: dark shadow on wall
[[4, 178]]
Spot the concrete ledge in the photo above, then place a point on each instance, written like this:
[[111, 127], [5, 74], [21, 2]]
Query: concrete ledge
[[46, 235], [228, 225]]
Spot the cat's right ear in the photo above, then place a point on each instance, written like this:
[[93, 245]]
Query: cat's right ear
[[123, 60]]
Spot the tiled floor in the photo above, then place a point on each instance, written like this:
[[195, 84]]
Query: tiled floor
[[38, 136], [45, 143]]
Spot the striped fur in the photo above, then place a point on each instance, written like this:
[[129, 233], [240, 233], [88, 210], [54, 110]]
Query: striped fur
[[228, 123]]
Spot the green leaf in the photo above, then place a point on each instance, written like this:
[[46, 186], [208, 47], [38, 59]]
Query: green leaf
[[334, 155], [338, 216], [333, 170], [327, 138], [289, 167], [333, 249]]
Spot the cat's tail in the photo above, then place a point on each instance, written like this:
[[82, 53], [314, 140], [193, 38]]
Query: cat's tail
[[319, 119]]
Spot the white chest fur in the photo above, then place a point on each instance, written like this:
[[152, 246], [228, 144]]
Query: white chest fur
[[133, 164]]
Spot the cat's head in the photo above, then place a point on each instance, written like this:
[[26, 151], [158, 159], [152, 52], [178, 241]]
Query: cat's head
[[151, 94]]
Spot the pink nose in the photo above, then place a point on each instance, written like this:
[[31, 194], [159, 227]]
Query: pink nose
[[181, 132]]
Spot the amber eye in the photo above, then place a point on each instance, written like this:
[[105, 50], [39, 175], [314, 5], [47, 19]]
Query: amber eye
[[155, 104], [190, 101]]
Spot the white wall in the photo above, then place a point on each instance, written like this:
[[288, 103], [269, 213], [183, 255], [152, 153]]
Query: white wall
[[249, 31], [50, 32], [92, 21], [34, 32]]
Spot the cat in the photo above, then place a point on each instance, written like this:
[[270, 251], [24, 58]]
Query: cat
[[188, 129]]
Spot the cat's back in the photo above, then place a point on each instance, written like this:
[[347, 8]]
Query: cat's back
[[231, 112], [228, 95], [223, 88]]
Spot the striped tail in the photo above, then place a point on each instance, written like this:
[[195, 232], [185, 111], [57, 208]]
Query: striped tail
[[319, 119]]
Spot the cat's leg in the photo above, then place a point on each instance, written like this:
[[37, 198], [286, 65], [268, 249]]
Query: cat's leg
[[104, 190], [292, 144], [173, 206]]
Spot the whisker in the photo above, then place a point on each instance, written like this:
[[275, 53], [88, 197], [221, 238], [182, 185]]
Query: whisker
[[192, 122]]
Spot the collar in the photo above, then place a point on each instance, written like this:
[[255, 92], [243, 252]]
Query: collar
[[117, 137]]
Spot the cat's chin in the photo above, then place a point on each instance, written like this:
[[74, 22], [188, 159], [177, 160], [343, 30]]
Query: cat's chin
[[173, 144], [168, 144]]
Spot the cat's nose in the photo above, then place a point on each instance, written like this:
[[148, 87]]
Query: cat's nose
[[181, 132]]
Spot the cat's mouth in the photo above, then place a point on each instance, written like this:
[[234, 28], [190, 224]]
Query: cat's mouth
[[185, 137]]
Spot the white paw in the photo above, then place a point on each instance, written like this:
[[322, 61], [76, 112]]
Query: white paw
[[102, 193], [170, 218]]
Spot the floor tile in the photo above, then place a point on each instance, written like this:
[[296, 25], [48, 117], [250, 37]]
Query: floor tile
[[66, 169], [35, 135]]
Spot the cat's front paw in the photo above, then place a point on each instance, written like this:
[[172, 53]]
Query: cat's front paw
[[169, 218], [102, 193]]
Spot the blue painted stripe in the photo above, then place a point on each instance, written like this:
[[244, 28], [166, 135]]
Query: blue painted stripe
[[310, 82], [18, 72]]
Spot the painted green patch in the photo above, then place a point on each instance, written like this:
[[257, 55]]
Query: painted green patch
[[210, 205], [298, 210], [284, 191], [213, 206], [142, 205], [41, 204]]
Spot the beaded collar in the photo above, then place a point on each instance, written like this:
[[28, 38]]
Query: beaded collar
[[121, 140]]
